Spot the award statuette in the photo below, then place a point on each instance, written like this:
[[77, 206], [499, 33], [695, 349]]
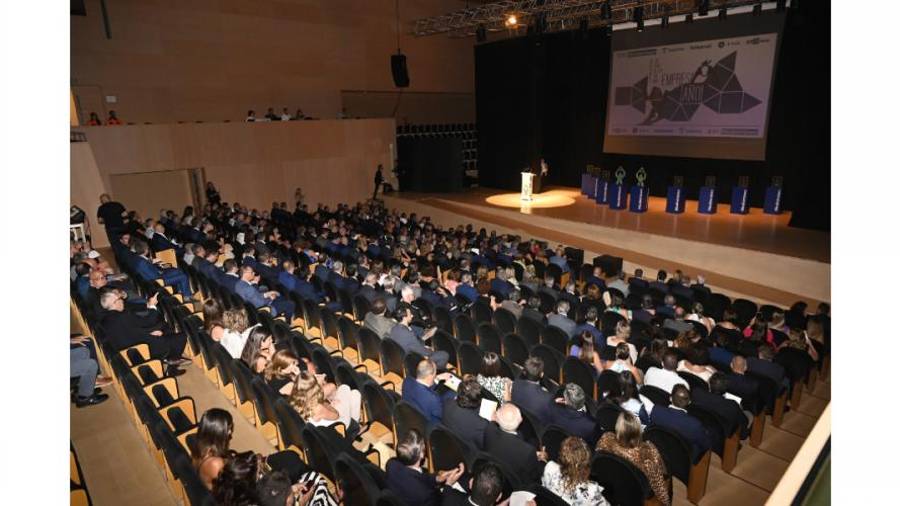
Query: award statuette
[[588, 181], [617, 192], [639, 193]]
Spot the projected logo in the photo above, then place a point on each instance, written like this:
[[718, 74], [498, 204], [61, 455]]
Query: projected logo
[[714, 86]]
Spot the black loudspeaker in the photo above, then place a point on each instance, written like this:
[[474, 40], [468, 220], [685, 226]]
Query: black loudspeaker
[[610, 265], [398, 69]]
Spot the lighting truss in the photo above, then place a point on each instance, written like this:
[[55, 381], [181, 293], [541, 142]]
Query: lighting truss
[[558, 14]]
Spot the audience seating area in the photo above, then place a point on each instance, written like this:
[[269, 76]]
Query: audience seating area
[[332, 336]]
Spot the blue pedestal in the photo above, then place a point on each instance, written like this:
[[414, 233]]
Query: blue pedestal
[[772, 204], [638, 202], [618, 197], [740, 200], [675, 200], [707, 203], [586, 184], [601, 191]]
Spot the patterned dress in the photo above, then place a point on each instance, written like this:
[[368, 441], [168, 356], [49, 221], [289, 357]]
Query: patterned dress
[[645, 457], [495, 385], [588, 493]]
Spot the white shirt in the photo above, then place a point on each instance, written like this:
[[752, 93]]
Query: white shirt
[[234, 342], [666, 380]]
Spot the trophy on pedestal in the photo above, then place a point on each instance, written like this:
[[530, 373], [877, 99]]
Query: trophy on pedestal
[[675, 196], [617, 193], [639, 193]]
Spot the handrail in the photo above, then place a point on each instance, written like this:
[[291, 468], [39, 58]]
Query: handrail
[[805, 462]]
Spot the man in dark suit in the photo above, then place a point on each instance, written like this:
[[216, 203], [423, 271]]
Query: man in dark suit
[[485, 489], [741, 385], [532, 310], [405, 477], [700, 285], [591, 325], [528, 394], [676, 418], [159, 241], [764, 366], [715, 401], [572, 416], [500, 284], [369, 287], [461, 415], [407, 338], [247, 289], [422, 393], [125, 328], [229, 275], [466, 288], [560, 319], [148, 271], [504, 443], [660, 283]]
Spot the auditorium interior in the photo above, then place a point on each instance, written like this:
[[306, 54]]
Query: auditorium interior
[[404, 252]]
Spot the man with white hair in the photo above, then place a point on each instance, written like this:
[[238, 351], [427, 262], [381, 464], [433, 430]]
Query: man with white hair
[[125, 327], [407, 297], [503, 442], [561, 320], [571, 414]]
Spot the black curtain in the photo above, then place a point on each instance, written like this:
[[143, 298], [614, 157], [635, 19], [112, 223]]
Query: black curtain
[[546, 97]]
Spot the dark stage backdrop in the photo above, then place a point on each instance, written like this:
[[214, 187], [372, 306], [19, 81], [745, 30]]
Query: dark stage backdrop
[[546, 97]]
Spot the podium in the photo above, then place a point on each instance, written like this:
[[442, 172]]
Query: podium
[[638, 201], [675, 199], [707, 203], [772, 203], [527, 181], [618, 197], [740, 200]]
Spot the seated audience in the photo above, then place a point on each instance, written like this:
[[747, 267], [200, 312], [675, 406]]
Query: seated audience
[[308, 399], [528, 394], [586, 352], [421, 391], [622, 363], [410, 338], [507, 446], [462, 417], [491, 380], [282, 372], [626, 443], [570, 478], [258, 350], [666, 378], [377, 321], [405, 477], [485, 489], [570, 413], [676, 418], [629, 399]]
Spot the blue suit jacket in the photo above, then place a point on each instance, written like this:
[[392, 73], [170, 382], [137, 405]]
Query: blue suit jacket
[[408, 340], [425, 399], [577, 423], [145, 269], [685, 425], [598, 335], [533, 398], [501, 286], [228, 281], [287, 280], [250, 294], [468, 292]]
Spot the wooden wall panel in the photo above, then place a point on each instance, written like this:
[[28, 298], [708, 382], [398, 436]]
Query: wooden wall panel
[[254, 164], [209, 60]]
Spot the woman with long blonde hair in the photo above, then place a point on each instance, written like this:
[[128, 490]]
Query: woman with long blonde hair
[[570, 477], [308, 399]]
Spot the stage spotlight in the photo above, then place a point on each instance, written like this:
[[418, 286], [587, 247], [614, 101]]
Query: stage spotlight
[[511, 20], [757, 9], [723, 14], [703, 7], [638, 15], [605, 11], [481, 34]]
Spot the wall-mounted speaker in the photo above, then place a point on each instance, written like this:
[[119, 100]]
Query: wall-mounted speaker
[[398, 70]]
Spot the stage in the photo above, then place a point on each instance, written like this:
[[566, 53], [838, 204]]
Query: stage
[[754, 255]]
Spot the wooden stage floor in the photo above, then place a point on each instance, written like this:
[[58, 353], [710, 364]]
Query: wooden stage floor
[[754, 231]]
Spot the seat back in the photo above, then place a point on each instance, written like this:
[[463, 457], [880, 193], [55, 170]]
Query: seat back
[[552, 439], [548, 302], [463, 328], [504, 320], [447, 449], [607, 415], [407, 417], [608, 384], [694, 381], [488, 337], [369, 345], [443, 341], [470, 358], [379, 405], [357, 484], [361, 306], [656, 395], [608, 322], [347, 331], [290, 424], [317, 455], [481, 312], [265, 401], [242, 381], [555, 338], [442, 318], [529, 330], [552, 361], [544, 497], [392, 358], [622, 482], [514, 349], [674, 450], [580, 373]]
